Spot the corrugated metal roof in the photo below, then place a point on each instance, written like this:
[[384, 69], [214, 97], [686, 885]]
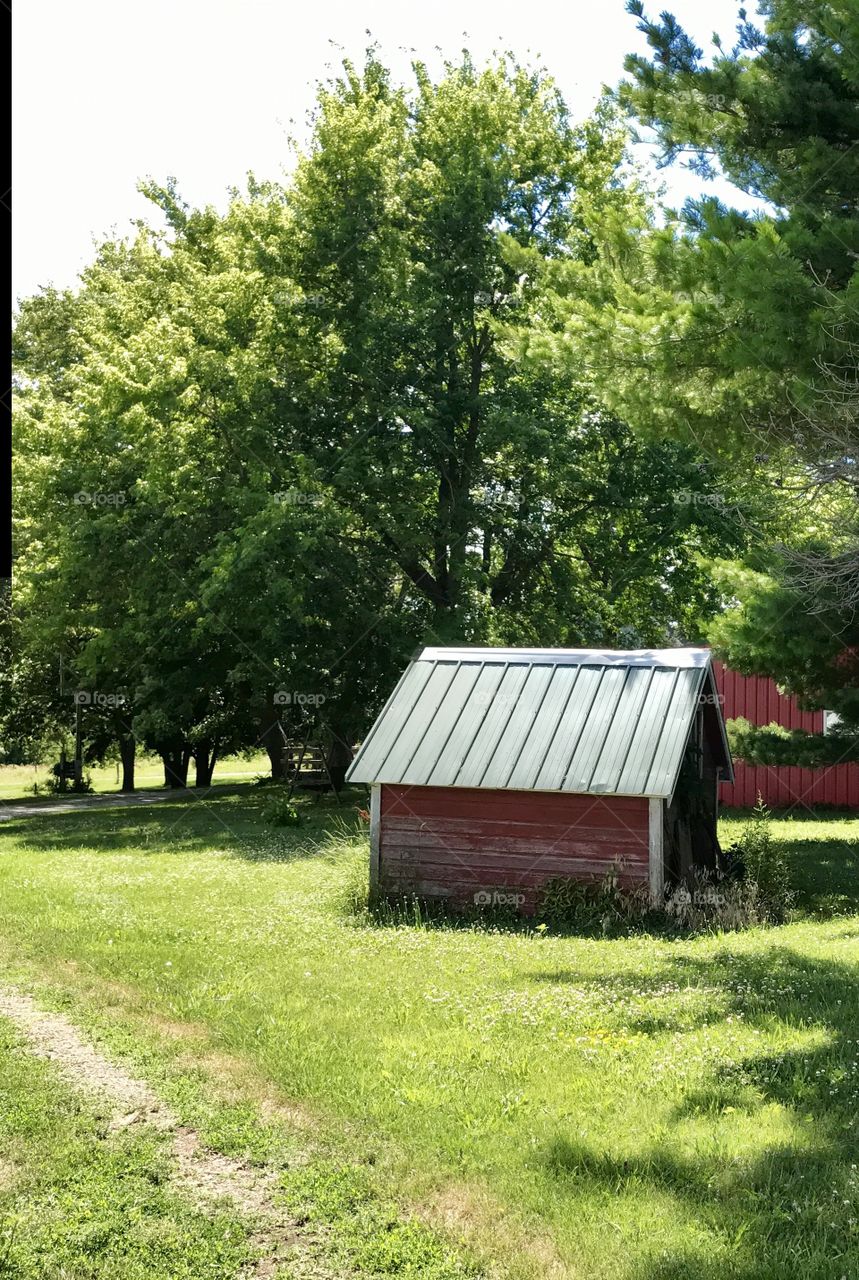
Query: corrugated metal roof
[[580, 720]]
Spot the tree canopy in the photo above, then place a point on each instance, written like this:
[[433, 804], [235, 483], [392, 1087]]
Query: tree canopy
[[450, 382]]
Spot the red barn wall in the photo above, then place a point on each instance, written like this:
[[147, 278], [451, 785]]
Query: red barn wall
[[758, 700], [460, 842]]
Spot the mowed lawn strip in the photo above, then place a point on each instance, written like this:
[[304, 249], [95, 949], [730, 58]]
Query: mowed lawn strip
[[633, 1107]]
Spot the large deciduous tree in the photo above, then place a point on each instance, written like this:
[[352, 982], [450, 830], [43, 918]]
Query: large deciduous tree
[[481, 480]]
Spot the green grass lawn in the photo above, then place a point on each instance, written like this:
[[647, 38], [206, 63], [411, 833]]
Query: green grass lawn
[[640, 1107]]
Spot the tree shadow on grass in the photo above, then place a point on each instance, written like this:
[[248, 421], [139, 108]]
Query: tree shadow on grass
[[229, 822], [791, 1210], [826, 875]]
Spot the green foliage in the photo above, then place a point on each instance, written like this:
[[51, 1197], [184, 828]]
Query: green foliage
[[719, 326], [809, 644], [601, 907], [773, 744], [777, 111], [281, 811], [740, 331], [505, 499], [265, 453], [54, 784], [765, 866]]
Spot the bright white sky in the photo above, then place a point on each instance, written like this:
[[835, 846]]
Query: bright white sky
[[107, 92]]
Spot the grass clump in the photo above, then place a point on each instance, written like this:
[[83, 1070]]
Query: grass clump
[[599, 907], [370, 1233]]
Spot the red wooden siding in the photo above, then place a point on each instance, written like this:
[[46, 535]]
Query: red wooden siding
[[757, 699], [458, 842]]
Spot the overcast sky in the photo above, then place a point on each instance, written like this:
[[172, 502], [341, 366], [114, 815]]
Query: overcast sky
[[107, 92]]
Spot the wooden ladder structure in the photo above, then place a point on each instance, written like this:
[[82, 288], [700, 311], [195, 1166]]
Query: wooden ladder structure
[[305, 767]]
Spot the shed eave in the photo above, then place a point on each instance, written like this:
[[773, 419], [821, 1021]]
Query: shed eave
[[524, 791]]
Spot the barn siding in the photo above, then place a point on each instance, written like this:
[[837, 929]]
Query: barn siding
[[457, 842], [758, 700]]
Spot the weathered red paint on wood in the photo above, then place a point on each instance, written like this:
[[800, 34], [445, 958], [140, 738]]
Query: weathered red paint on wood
[[457, 842], [758, 700]]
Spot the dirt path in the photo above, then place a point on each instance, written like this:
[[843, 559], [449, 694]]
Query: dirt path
[[202, 1175], [118, 801]]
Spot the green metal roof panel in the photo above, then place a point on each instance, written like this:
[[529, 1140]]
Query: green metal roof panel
[[621, 732], [674, 733], [394, 717], [538, 745], [588, 721], [573, 720], [456, 692], [645, 738], [493, 718]]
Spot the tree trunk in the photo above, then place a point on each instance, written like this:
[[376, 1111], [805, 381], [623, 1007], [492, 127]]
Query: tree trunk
[[127, 749], [271, 737], [338, 758], [176, 761], [205, 756]]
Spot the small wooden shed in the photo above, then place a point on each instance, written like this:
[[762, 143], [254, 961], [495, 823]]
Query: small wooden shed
[[494, 770]]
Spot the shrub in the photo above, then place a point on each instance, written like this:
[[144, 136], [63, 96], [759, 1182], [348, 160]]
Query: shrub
[[281, 812], [596, 905], [751, 886], [709, 900], [53, 785], [764, 866]]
